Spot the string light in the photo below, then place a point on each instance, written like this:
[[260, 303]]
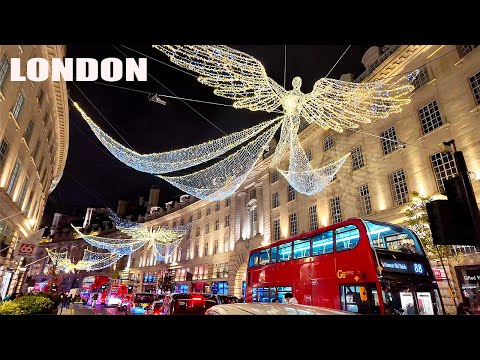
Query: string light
[[161, 163], [333, 104], [92, 261]]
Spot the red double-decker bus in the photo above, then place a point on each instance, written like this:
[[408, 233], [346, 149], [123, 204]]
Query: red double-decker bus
[[362, 266]]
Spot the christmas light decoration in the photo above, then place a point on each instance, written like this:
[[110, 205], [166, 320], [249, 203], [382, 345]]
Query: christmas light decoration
[[161, 163], [332, 104], [92, 261], [61, 260]]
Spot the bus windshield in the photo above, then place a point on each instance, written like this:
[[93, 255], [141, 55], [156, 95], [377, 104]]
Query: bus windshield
[[392, 238]]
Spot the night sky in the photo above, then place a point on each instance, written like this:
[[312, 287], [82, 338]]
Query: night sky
[[94, 178]]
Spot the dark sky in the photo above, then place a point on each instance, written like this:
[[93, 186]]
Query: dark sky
[[94, 178]]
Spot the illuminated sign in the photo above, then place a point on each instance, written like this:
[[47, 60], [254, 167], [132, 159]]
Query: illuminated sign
[[408, 267]]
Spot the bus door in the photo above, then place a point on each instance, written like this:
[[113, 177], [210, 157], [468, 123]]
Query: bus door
[[409, 298]]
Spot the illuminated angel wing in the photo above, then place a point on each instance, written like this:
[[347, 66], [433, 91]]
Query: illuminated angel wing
[[340, 104], [234, 74]]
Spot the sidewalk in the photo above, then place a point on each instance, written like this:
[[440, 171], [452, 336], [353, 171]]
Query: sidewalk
[[79, 311]]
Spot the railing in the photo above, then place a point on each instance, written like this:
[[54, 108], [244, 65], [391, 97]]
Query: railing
[[389, 50]]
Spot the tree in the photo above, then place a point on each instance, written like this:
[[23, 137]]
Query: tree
[[167, 284], [417, 220]]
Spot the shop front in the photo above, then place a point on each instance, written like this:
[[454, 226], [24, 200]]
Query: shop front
[[469, 282]]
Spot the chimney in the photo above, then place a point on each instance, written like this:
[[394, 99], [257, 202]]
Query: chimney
[[88, 217], [153, 198], [347, 77], [122, 208], [368, 59]]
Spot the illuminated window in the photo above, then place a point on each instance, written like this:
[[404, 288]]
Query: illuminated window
[[335, 210], [226, 244], [389, 140], [422, 78], [328, 142], [475, 84], [346, 238], [322, 243], [334, 176], [198, 231], [227, 202], [292, 219], [312, 212], [357, 158], [430, 117], [363, 200], [291, 193], [187, 253], [227, 221], [208, 211], [217, 207], [196, 251], [285, 252], [205, 250], [14, 177], [308, 153], [28, 132], [35, 151], [3, 152], [465, 49], [253, 194], [215, 247], [179, 254], [4, 67], [23, 191], [207, 228], [443, 167], [276, 229], [274, 176], [199, 214], [301, 248], [398, 187], [254, 214], [275, 201], [18, 105], [217, 224]]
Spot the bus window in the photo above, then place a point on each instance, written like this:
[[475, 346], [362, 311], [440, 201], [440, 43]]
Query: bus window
[[253, 260], [392, 238], [322, 243], [264, 257], [359, 299], [273, 258], [346, 237], [281, 291], [285, 252], [301, 248], [264, 295]]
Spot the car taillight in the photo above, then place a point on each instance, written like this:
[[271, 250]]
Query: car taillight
[[198, 298]]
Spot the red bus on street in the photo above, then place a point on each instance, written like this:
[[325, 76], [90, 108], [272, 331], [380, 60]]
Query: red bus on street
[[92, 285], [361, 266]]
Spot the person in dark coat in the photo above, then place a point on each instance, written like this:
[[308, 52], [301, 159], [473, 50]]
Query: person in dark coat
[[463, 310]]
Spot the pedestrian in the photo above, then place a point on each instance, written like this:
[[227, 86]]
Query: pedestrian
[[463, 310], [274, 300], [290, 298]]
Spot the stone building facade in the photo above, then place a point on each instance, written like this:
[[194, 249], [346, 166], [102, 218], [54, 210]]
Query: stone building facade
[[33, 151]]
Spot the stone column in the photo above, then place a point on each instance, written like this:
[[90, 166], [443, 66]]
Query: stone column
[[266, 209], [239, 215], [260, 206]]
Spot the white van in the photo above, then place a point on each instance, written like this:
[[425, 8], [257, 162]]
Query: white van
[[272, 309]]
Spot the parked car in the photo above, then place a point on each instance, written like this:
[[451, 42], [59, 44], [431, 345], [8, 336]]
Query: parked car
[[126, 300], [215, 299], [141, 304], [184, 304], [272, 309], [157, 304]]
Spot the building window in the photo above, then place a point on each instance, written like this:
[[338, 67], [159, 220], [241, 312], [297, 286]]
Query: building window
[[398, 187], [253, 194], [199, 215], [217, 207], [363, 200], [389, 140], [475, 84], [335, 210], [179, 254], [23, 191], [443, 167], [205, 251], [140, 262], [334, 176], [312, 212], [4, 67], [182, 222], [274, 176], [308, 153], [187, 254], [430, 117], [226, 244], [35, 151], [422, 78], [215, 247], [14, 177], [208, 212], [357, 158], [227, 202], [40, 96], [190, 219], [29, 202], [28, 132], [3, 152], [465, 49], [198, 231], [292, 219], [207, 228], [18, 105], [254, 214], [303, 125], [291, 193], [328, 142], [275, 201], [276, 229], [217, 224], [174, 225], [196, 251], [227, 221]]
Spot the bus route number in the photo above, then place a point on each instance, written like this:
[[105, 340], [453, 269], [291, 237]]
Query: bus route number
[[418, 268]]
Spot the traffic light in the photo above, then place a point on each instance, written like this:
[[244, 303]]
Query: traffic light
[[442, 224]]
